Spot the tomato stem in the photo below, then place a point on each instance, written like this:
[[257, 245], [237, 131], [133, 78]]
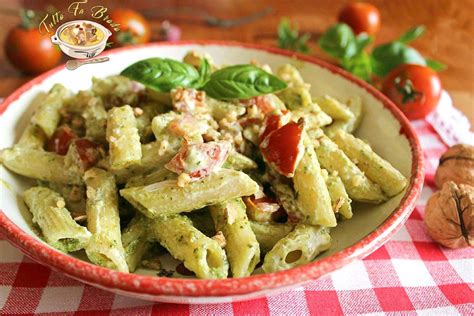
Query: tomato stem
[[406, 89], [28, 19]]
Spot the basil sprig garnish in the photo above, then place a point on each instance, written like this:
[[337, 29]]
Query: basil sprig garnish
[[163, 74], [234, 82], [241, 82]]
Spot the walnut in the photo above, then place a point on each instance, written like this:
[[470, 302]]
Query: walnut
[[456, 164], [449, 215]]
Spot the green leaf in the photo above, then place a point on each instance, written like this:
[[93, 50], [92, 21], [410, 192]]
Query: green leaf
[[412, 34], [289, 38], [162, 75], [339, 41], [362, 41], [435, 65], [241, 82], [386, 57], [204, 73], [359, 65]]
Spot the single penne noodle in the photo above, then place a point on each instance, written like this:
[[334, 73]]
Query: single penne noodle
[[269, 234], [135, 241], [341, 202], [355, 105], [38, 164], [296, 97], [122, 134], [33, 136], [375, 167], [47, 115], [221, 109], [241, 246], [334, 108], [167, 197], [333, 159], [95, 119], [312, 195], [105, 247], [290, 75], [199, 253], [54, 220], [299, 247]]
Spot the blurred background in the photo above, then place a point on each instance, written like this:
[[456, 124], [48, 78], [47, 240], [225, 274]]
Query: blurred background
[[449, 37]]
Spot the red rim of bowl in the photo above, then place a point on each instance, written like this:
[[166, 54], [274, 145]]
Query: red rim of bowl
[[156, 286]]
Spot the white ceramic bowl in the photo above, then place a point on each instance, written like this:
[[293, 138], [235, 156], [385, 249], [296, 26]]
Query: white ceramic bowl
[[383, 125], [81, 52]]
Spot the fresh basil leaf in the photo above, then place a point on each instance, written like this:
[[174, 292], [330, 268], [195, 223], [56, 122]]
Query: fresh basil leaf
[[412, 34], [362, 41], [162, 74], [359, 65], [204, 73], [289, 38], [241, 82], [388, 56], [435, 65], [339, 41]]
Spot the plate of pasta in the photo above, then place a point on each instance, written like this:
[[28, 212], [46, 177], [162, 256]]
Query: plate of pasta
[[198, 172]]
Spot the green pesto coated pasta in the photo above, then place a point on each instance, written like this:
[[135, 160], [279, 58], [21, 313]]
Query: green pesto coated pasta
[[135, 241], [199, 253], [299, 247], [47, 115], [269, 234], [312, 195], [242, 248], [375, 167], [122, 134], [334, 108], [341, 202], [50, 214], [105, 247], [166, 197], [38, 164]]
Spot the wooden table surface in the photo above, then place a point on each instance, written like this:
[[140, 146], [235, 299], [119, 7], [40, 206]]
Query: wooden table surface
[[450, 36]]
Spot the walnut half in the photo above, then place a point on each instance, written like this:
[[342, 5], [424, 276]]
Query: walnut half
[[456, 164], [449, 215]]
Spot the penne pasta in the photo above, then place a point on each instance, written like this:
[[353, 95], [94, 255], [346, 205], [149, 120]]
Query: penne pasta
[[122, 134], [135, 241], [199, 253], [299, 247], [47, 115], [268, 234], [105, 247], [241, 246], [334, 108], [54, 220], [375, 167], [167, 197], [341, 202]]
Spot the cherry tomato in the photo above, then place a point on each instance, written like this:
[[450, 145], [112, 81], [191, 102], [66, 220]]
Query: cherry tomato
[[273, 121], [30, 51], [61, 139], [415, 89], [361, 17], [282, 148], [88, 152], [134, 28]]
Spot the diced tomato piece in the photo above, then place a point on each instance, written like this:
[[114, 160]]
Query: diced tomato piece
[[245, 122], [272, 122], [88, 152], [61, 139], [199, 160], [283, 148]]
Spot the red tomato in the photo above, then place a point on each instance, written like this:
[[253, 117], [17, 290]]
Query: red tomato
[[361, 17], [30, 51], [282, 148], [273, 121], [415, 89], [199, 160], [88, 152], [61, 139], [134, 28]]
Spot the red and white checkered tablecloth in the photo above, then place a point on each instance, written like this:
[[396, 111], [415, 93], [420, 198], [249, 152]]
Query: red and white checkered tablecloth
[[410, 274]]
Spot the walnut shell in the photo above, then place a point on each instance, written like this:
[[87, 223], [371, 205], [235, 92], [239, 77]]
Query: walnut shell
[[456, 164], [449, 215]]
